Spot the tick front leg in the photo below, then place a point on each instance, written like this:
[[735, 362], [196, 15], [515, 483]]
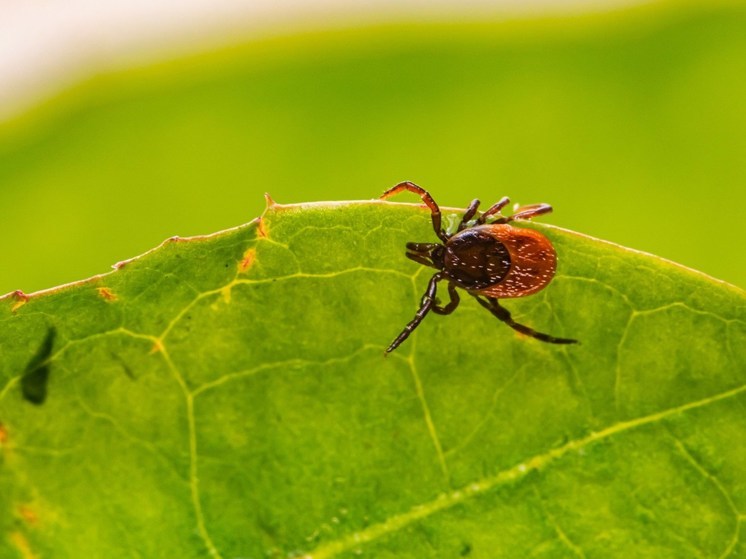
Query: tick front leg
[[420, 258], [452, 304], [428, 300], [420, 253], [468, 214], [491, 304], [426, 198], [493, 209], [530, 212]]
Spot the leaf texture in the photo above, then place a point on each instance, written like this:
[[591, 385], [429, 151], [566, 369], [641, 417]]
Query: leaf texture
[[228, 396]]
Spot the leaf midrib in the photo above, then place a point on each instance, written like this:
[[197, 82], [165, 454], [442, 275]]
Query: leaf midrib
[[480, 486]]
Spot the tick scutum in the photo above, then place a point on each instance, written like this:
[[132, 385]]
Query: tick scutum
[[475, 260]]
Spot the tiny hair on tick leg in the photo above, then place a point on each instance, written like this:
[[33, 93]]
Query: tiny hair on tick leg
[[489, 260]]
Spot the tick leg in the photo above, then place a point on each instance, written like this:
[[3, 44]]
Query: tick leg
[[529, 212], [452, 304], [468, 214], [426, 198], [420, 258], [503, 314], [428, 300], [492, 210], [420, 253]]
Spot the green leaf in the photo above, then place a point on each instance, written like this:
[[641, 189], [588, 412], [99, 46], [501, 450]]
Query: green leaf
[[228, 396]]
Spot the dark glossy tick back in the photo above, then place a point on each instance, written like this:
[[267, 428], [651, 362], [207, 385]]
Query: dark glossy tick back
[[487, 257]]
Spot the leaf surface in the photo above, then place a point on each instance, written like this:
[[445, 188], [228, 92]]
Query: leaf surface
[[228, 396]]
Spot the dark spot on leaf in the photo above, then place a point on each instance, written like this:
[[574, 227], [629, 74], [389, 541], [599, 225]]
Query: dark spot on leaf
[[466, 550], [123, 364], [34, 380]]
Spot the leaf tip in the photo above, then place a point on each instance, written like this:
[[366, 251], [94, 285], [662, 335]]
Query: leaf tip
[[20, 298]]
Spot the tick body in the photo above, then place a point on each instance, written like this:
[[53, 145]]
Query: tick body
[[486, 257]]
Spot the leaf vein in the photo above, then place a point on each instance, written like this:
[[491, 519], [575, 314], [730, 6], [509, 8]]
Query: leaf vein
[[684, 451], [475, 489], [429, 419], [193, 474], [487, 416], [278, 364], [148, 445], [561, 534]]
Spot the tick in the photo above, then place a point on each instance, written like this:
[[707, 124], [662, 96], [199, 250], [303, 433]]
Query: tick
[[489, 260]]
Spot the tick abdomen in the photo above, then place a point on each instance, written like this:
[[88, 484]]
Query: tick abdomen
[[533, 261], [500, 260]]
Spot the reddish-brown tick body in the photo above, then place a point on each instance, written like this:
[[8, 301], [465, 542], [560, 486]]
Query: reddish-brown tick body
[[499, 260], [490, 261]]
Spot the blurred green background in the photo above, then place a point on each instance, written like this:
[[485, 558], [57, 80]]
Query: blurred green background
[[632, 124]]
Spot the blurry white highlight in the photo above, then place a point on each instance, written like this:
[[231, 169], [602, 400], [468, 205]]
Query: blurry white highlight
[[47, 45]]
